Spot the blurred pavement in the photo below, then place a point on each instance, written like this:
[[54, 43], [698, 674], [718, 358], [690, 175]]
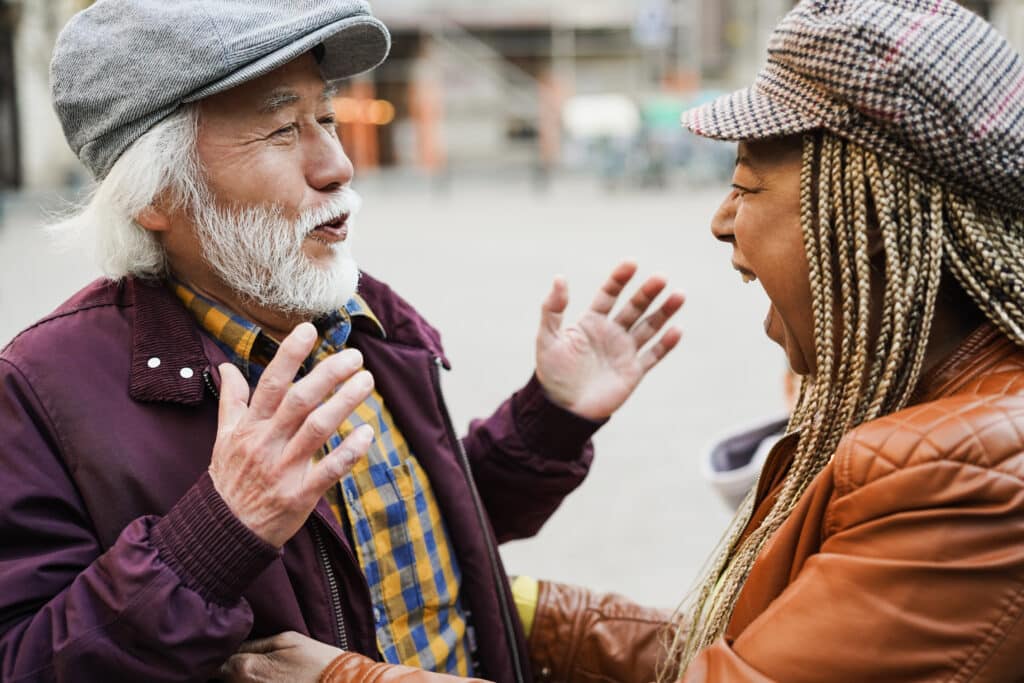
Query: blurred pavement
[[477, 261]]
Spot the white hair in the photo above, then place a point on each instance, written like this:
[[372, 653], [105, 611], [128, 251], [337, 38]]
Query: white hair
[[162, 165]]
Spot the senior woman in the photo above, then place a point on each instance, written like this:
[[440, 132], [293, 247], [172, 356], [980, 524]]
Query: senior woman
[[878, 199]]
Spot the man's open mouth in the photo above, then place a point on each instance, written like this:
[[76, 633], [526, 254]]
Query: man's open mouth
[[335, 230]]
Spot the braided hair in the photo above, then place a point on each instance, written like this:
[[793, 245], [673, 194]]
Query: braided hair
[[865, 368]]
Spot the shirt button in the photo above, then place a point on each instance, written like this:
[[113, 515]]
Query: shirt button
[[153, 362], [186, 373]]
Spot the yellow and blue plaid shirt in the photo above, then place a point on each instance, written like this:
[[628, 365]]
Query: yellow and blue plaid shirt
[[400, 538]]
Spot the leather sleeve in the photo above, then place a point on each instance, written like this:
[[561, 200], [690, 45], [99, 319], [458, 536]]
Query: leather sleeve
[[580, 636], [920, 573], [350, 667]]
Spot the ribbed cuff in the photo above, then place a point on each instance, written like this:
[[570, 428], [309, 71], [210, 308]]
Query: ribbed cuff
[[547, 428], [203, 542]]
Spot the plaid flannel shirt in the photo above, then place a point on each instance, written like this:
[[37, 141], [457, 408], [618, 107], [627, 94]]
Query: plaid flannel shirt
[[401, 541]]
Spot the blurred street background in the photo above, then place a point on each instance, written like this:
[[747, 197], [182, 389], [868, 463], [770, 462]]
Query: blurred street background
[[501, 144]]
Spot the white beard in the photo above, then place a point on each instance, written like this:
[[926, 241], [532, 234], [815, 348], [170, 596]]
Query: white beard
[[258, 253]]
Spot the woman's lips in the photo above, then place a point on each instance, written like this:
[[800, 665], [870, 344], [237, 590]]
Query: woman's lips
[[745, 273], [769, 324]]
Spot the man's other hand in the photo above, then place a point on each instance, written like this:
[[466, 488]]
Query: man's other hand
[[591, 368], [289, 656], [262, 459]]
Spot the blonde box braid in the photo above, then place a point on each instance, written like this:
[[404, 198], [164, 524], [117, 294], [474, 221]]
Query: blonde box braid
[[845, 191]]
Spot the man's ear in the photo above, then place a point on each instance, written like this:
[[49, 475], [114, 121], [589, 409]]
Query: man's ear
[[154, 219]]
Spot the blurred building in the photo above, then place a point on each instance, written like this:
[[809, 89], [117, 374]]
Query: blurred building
[[469, 82], [479, 80], [10, 157], [32, 140], [487, 80]]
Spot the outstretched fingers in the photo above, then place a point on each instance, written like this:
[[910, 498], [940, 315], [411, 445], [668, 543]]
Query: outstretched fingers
[[604, 300], [339, 462], [303, 397], [641, 301], [234, 398], [323, 422], [660, 349], [277, 379], [647, 328], [553, 308]]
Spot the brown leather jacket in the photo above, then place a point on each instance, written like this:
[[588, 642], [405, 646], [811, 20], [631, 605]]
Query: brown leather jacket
[[351, 667], [904, 560]]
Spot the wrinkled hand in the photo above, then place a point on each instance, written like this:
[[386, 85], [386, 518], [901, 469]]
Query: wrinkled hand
[[591, 368], [262, 459], [289, 656]]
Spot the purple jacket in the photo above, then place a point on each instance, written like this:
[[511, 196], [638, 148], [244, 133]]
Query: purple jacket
[[119, 561]]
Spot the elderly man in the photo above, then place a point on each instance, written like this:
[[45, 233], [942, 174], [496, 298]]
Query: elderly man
[[194, 451]]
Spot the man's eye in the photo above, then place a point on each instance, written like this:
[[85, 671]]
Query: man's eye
[[329, 121], [282, 132]]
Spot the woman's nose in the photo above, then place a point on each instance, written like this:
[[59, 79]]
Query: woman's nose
[[722, 221]]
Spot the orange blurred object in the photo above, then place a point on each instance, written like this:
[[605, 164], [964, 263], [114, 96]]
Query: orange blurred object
[[380, 112], [359, 116]]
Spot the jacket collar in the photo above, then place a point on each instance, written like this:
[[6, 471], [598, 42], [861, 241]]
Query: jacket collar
[[168, 360], [983, 349], [403, 323], [169, 357]]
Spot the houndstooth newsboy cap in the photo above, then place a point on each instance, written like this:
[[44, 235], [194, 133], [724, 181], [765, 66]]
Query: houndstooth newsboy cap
[[122, 66], [925, 83]]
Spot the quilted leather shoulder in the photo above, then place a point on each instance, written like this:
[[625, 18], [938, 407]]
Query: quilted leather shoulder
[[968, 411], [980, 425], [971, 413]]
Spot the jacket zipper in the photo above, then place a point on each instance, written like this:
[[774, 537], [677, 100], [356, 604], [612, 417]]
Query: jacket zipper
[[492, 552], [208, 379], [332, 585], [340, 634]]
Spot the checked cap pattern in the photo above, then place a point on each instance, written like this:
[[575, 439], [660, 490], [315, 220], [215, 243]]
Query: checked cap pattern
[[925, 83]]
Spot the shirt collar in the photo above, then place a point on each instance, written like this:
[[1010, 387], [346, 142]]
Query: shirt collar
[[335, 327], [244, 341]]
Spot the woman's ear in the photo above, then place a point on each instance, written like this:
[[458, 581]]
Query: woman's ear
[[153, 219]]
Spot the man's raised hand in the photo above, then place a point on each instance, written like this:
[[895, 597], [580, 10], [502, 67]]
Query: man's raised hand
[[591, 367], [262, 459]]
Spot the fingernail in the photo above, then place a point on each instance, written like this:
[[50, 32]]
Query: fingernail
[[306, 332], [365, 432]]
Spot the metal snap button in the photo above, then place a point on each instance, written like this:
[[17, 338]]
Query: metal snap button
[[153, 362], [186, 373]]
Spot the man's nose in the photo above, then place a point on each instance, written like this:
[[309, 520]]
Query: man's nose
[[329, 167], [722, 221]]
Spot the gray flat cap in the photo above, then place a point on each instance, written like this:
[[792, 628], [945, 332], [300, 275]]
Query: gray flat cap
[[926, 83], [122, 66]]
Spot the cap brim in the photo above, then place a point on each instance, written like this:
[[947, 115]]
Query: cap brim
[[746, 114], [352, 46]]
